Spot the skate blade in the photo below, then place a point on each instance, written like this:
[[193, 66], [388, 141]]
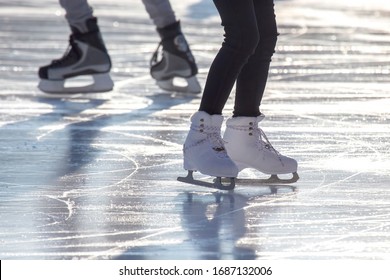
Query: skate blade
[[217, 184], [179, 84], [272, 180], [99, 83]]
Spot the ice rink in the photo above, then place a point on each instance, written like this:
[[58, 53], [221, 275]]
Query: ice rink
[[94, 176]]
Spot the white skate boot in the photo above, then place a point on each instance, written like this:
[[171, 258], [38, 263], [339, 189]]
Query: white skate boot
[[86, 56], [176, 70], [248, 147], [204, 151]]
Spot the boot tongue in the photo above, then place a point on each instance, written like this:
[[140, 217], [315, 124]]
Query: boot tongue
[[90, 25], [260, 118], [71, 55], [75, 30], [170, 31], [216, 120]]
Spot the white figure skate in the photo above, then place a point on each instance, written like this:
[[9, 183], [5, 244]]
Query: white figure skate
[[175, 68], [204, 151], [86, 56], [248, 146]]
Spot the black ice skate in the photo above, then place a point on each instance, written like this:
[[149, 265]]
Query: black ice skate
[[85, 56], [175, 69]]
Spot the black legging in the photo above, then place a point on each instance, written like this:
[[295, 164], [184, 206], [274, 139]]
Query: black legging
[[245, 56]]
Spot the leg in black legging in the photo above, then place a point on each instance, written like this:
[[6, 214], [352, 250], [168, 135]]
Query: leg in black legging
[[253, 77], [241, 39]]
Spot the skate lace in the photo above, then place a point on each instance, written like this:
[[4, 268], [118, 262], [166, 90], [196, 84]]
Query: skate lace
[[213, 136], [155, 57], [217, 143], [264, 142], [70, 53]]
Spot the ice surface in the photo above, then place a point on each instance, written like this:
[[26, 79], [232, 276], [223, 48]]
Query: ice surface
[[94, 176]]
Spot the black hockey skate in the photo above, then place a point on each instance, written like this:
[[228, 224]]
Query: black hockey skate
[[174, 68], [86, 55]]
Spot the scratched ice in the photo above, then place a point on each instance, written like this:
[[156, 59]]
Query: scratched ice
[[94, 176]]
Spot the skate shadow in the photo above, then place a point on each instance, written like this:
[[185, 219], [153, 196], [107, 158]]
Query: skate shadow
[[67, 148], [77, 151], [83, 134], [55, 152], [215, 223], [212, 224], [36, 151]]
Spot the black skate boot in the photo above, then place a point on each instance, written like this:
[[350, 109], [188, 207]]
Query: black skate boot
[[86, 55], [176, 61]]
